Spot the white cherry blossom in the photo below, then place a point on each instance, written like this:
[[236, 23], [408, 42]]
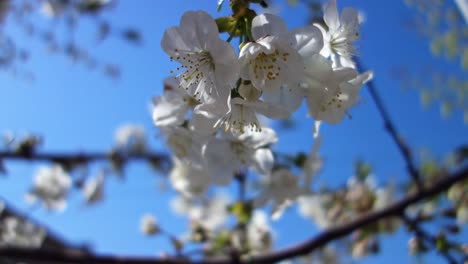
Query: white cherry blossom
[[271, 61], [209, 65], [331, 92], [342, 32], [226, 155], [171, 108], [186, 144], [211, 214]]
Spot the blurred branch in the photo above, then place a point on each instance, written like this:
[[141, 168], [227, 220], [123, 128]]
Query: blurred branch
[[77, 158], [390, 127], [303, 248], [414, 226], [51, 240]]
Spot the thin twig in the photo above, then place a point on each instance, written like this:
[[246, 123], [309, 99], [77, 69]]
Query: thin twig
[[391, 129], [300, 249], [422, 234]]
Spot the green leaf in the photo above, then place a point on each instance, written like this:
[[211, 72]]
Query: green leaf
[[227, 24], [242, 210]]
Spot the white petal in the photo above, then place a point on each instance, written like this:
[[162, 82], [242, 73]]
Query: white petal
[[289, 99], [199, 28], [268, 25], [263, 161], [169, 109], [331, 15], [309, 41], [350, 20]]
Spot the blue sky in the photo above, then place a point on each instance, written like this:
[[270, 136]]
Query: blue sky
[[76, 109]]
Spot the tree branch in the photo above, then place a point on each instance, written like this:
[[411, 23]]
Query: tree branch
[[300, 249], [422, 234], [51, 241], [81, 157], [391, 129]]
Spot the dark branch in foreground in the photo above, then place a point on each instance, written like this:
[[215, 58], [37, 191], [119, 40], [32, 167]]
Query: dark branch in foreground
[[51, 241], [391, 129], [306, 247]]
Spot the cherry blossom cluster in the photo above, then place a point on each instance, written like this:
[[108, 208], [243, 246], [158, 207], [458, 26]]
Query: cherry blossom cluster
[[210, 109]]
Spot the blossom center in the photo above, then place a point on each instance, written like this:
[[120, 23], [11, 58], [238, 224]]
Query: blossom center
[[268, 65], [197, 68]]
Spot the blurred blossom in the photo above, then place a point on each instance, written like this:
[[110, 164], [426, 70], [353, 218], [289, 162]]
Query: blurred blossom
[[50, 186], [149, 225], [281, 188], [259, 233], [93, 189], [210, 214], [384, 197], [311, 206], [17, 232], [131, 138], [189, 180]]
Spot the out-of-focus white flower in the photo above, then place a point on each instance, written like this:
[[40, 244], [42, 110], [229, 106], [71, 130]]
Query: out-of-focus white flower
[[171, 108], [131, 138], [17, 232], [311, 206], [342, 32], [225, 156], [210, 214], [149, 225], [51, 186], [384, 197], [209, 64], [189, 180], [259, 233], [186, 144], [281, 188], [312, 165], [93, 190]]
